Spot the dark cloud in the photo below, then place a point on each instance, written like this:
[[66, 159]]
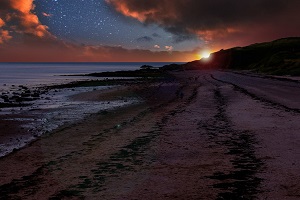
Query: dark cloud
[[216, 19], [156, 35], [144, 39], [4, 4]]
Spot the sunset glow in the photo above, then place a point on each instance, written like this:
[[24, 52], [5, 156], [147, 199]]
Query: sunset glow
[[205, 54], [130, 30]]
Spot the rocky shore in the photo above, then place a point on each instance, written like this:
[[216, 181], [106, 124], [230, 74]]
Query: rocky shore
[[26, 113]]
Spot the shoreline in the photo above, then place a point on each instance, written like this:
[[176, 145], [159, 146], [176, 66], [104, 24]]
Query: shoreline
[[195, 135], [26, 122], [34, 111], [16, 119]]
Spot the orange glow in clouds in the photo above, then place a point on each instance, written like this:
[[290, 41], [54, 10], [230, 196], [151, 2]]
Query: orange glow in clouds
[[2, 23], [39, 45], [29, 21], [23, 6], [122, 8], [4, 36]]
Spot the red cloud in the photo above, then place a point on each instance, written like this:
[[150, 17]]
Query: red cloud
[[19, 18], [46, 14], [4, 36], [2, 23], [24, 6]]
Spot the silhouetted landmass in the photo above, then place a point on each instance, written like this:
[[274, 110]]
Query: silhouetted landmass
[[174, 67], [279, 57], [146, 71]]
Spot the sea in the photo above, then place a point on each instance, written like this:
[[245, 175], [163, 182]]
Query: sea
[[55, 108], [35, 74]]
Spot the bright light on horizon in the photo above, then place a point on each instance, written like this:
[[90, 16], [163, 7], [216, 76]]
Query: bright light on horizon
[[204, 54]]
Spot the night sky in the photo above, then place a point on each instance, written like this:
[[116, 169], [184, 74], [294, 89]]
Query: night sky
[[138, 30], [94, 22]]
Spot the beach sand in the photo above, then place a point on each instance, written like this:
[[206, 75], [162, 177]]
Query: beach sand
[[201, 135]]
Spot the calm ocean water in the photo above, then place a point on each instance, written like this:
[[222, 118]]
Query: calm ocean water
[[34, 74]]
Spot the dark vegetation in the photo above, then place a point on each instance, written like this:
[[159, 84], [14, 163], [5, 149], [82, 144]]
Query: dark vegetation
[[279, 57]]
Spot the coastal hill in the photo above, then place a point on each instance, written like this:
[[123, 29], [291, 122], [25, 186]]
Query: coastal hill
[[279, 57]]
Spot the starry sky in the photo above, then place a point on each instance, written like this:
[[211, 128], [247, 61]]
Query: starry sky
[[138, 30], [94, 22]]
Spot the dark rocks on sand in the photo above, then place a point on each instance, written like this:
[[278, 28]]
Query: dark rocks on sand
[[35, 95]]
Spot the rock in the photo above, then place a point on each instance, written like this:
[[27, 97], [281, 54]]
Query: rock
[[35, 95], [14, 97], [25, 95], [4, 97]]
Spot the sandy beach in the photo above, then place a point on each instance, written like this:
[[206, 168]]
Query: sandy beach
[[198, 135]]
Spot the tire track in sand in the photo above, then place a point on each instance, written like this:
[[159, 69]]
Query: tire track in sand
[[241, 182], [128, 159]]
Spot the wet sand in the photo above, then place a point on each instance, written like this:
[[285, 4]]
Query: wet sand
[[201, 135]]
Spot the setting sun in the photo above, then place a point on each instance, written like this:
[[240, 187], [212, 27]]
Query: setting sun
[[204, 54]]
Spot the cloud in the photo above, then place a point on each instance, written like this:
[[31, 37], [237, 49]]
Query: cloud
[[4, 36], [216, 20], [156, 46], [35, 49], [4, 4], [32, 41], [31, 48], [156, 35], [20, 18], [144, 39], [2, 23], [24, 6], [169, 48], [46, 14]]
